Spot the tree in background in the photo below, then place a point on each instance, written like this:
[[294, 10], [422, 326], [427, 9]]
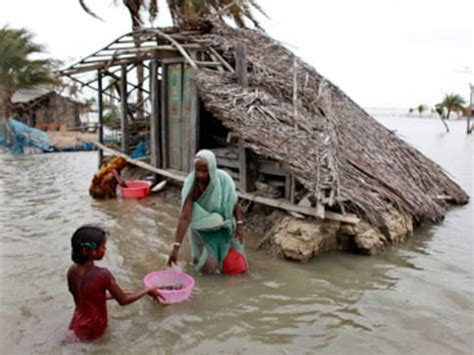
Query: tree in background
[[184, 11], [187, 12], [452, 103], [439, 109], [17, 69], [421, 108]]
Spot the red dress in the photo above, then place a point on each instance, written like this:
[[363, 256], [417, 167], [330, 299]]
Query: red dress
[[89, 291]]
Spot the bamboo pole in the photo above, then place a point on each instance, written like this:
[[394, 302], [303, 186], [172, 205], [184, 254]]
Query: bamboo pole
[[177, 45], [124, 109], [101, 114]]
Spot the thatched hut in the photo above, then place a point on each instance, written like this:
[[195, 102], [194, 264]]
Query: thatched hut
[[291, 138], [44, 108]]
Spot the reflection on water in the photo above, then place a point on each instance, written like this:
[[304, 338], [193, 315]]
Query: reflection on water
[[416, 297]]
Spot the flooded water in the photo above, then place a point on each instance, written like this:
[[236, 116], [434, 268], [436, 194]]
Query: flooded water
[[415, 298]]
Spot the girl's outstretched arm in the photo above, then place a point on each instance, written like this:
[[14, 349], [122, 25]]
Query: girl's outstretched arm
[[124, 298]]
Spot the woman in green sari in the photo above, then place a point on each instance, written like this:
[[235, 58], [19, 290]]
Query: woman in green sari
[[210, 210]]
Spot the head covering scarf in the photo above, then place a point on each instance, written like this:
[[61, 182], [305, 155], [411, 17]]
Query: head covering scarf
[[212, 227]]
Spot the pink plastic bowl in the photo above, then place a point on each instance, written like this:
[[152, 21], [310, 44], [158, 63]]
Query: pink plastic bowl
[[136, 189], [170, 277]]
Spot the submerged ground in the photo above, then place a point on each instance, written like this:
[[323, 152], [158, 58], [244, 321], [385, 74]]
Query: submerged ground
[[415, 298]]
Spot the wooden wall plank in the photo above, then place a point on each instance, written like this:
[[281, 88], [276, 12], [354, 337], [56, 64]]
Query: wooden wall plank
[[186, 128], [155, 130], [174, 86], [164, 116]]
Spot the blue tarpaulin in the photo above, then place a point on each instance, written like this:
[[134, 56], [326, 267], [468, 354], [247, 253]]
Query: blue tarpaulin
[[141, 150], [23, 136]]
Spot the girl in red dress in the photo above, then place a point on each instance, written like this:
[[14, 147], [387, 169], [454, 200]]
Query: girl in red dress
[[89, 284]]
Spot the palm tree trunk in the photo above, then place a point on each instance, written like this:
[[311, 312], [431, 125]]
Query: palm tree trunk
[[6, 106], [444, 122]]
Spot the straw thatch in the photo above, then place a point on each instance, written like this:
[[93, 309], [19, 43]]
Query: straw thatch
[[344, 157]]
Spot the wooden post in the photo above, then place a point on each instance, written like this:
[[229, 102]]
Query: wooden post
[[101, 115], [241, 73], [164, 116], [155, 129], [124, 106], [293, 189], [194, 124], [241, 65]]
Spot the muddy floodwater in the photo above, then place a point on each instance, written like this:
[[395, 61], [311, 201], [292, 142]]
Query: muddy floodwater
[[416, 298]]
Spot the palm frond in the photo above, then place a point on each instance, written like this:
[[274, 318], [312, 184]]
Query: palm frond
[[88, 10]]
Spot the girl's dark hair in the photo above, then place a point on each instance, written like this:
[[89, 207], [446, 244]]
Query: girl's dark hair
[[86, 237]]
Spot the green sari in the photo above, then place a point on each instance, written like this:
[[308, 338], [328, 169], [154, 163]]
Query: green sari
[[212, 228]]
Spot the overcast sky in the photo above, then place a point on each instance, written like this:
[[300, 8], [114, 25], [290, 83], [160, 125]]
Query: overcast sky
[[382, 53]]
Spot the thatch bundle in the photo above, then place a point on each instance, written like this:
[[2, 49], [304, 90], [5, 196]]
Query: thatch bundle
[[345, 160], [343, 157]]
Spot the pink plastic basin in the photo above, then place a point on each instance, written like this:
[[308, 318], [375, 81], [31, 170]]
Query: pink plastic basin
[[136, 189], [164, 279]]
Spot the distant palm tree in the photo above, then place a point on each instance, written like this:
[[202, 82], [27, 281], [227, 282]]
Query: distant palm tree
[[421, 108], [439, 109], [453, 103], [17, 69]]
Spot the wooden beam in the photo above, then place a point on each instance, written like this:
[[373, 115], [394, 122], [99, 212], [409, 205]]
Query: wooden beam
[[243, 167], [177, 45], [241, 73], [103, 65], [177, 176], [293, 190], [241, 65], [224, 62], [124, 106], [194, 123], [309, 211], [100, 105], [155, 130], [164, 115]]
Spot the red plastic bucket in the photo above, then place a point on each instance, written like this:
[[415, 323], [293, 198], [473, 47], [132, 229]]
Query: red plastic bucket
[[136, 189]]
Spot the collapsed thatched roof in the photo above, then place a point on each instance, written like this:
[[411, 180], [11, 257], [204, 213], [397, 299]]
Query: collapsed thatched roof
[[339, 153], [335, 149]]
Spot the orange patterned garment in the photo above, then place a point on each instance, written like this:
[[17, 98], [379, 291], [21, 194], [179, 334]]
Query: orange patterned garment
[[104, 184]]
